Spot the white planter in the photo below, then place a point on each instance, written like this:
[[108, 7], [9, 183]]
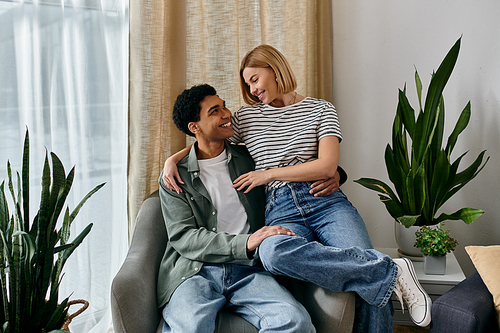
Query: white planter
[[405, 238], [435, 265]]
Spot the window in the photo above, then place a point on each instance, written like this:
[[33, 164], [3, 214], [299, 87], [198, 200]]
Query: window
[[64, 75]]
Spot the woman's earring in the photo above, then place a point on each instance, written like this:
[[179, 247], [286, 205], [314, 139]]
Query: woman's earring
[[276, 79]]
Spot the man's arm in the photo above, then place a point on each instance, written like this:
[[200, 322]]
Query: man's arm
[[201, 244], [197, 242]]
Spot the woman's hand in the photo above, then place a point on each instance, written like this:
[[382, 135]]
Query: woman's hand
[[325, 187], [251, 179], [171, 176]]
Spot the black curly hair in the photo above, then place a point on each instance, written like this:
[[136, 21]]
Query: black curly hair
[[187, 106]]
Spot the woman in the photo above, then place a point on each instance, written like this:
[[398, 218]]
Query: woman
[[295, 140]]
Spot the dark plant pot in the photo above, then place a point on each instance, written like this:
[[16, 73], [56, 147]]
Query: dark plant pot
[[435, 265]]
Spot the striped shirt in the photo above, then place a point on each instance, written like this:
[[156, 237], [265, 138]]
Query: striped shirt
[[278, 137]]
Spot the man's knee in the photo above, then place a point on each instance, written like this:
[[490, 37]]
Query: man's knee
[[299, 320]]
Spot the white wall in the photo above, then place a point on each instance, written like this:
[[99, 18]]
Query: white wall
[[376, 46]]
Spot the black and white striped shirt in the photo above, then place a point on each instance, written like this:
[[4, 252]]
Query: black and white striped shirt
[[278, 137]]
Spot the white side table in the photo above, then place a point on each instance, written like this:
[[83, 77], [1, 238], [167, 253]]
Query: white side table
[[434, 285]]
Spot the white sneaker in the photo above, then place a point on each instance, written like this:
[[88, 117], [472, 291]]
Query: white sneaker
[[409, 289]]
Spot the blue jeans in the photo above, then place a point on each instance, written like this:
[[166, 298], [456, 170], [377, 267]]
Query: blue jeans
[[250, 292], [331, 248]]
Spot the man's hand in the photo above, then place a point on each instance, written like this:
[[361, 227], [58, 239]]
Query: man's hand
[[325, 187], [171, 176], [257, 237]]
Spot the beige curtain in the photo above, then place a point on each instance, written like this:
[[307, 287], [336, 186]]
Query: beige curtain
[[175, 44]]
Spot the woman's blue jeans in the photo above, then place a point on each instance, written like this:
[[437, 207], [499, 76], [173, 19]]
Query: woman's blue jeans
[[331, 248], [248, 291]]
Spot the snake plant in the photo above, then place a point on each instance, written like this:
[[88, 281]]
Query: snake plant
[[418, 165], [33, 253]]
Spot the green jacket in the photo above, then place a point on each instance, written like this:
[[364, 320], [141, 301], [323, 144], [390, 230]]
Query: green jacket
[[191, 222]]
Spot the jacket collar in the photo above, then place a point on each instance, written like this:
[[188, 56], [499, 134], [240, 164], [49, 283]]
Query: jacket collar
[[192, 159]]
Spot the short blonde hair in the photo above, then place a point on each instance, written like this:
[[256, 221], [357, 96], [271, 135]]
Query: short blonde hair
[[266, 56]]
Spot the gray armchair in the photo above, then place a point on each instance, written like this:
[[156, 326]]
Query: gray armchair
[[133, 291]]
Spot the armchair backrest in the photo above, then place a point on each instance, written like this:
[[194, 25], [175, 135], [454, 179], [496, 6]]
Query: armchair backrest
[[133, 292]]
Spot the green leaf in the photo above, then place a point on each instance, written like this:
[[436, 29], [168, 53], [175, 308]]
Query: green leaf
[[65, 229], [460, 126], [407, 114], [79, 206], [440, 184], [63, 192], [437, 137], [376, 185], [25, 180], [463, 178], [439, 80], [468, 215], [396, 175], [44, 212], [420, 189], [394, 207], [58, 316], [58, 192], [408, 220], [77, 241], [418, 84], [4, 208]]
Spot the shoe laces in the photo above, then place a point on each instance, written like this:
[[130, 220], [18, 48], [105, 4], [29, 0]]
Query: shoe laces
[[405, 294]]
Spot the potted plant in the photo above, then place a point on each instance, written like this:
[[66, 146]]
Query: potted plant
[[434, 243], [33, 252], [417, 163]]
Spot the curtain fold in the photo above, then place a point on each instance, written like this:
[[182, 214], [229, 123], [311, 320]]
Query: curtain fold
[[157, 76], [201, 41]]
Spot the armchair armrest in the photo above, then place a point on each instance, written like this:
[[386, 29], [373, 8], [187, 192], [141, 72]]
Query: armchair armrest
[[330, 311], [467, 307], [133, 291]]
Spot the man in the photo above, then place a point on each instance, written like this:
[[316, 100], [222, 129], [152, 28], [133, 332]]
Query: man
[[207, 265]]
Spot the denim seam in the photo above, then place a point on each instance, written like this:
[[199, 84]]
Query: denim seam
[[388, 294], [252, 309]]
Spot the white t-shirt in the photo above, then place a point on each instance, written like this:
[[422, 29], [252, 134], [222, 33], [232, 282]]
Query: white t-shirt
[[231, 215]]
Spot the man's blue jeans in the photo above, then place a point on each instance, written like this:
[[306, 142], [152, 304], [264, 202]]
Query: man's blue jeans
[[331, 248], [248, 291]]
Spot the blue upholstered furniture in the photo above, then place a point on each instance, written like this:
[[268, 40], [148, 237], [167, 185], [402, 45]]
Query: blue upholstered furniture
[[466, 308]]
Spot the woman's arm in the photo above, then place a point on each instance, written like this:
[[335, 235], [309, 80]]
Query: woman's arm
[[325, 166], [170, 173]]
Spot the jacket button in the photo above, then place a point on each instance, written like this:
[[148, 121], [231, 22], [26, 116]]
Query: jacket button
[[192, 198], [213, 213], [213, 229], [183, 278]]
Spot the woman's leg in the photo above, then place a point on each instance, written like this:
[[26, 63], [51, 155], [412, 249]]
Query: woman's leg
[[342, 258], [334, 220], [369, 273]]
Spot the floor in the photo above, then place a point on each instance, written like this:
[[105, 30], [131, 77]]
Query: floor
[[410, 329]]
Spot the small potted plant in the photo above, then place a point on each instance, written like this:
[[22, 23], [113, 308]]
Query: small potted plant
[[434, 243]]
